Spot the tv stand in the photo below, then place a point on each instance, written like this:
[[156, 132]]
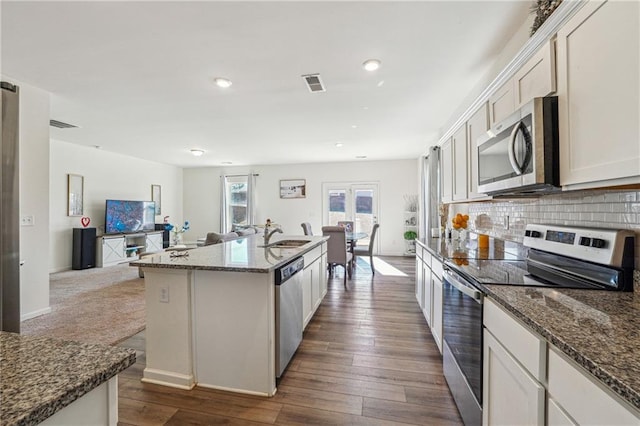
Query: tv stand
[[113, 249]]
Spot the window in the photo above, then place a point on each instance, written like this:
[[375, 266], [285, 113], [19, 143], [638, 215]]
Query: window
[[237, 205]]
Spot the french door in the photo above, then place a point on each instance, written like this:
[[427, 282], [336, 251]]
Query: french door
[[350, 201]]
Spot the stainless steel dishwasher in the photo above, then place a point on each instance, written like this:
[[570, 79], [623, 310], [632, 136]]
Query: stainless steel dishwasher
[[288, 280]]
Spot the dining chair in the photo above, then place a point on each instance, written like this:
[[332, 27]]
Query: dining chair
[[346, 224], [368, 251], [306, 227], [337, 253]]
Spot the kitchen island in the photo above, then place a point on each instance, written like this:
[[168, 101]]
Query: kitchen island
[[50, 381], [211, 317]]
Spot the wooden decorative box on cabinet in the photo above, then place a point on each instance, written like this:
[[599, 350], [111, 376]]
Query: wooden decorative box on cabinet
[[598, 86]]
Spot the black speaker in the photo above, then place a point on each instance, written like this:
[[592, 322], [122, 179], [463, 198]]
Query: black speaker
[[165, 234], [84, 248]]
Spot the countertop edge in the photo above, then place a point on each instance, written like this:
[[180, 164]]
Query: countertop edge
[[605, 378], [302, 250]]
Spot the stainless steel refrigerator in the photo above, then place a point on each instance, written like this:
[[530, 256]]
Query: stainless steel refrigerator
[[9, 211], [430, 192]]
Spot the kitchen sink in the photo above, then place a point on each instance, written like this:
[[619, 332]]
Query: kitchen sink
[[288, 243]]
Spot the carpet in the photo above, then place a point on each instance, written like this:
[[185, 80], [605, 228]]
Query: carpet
[[99, 305]]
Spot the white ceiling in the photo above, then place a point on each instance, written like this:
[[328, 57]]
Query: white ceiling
[[137, 76]]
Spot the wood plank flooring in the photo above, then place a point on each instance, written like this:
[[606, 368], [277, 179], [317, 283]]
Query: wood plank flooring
[[367, 358]]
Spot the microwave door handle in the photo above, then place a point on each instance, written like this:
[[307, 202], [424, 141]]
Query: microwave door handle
[[512, 150]]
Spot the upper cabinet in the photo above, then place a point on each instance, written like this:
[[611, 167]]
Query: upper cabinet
[[460, 164], [537, 77], [477, 125], [502, 103], [446, 171], [598, 86]]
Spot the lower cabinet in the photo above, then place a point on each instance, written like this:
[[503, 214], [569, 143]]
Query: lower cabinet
[[110, 251], [517, 363], [511, 395], [314, 281], [429, 291], [436, 315]]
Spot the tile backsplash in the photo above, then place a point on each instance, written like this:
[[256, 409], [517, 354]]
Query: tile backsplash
[[507, 219]]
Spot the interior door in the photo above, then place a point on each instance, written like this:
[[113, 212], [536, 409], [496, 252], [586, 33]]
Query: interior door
[[351, 201]]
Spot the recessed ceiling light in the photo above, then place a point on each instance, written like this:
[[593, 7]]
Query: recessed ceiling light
[[339, 145], [371, 64], [365, 108], [227, 162], [197, 152], [354, 126], [361, 156], [222, 82], [380, 83]]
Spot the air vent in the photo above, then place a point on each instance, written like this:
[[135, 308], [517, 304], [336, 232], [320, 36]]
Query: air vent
[[314, 83], [61, 125]]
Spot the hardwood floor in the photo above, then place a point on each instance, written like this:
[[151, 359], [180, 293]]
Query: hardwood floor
[[367, 358]]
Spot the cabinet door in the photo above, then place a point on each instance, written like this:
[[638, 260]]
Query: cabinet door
[[419, 281], [436, 323], [510, 395], [502, 103], [153, 243], [113, 250], [556, 415], [477, 125], [537, 77], [306, 296], [427, 303], [446, 170], [315, 286], [459, 145], [598, 85], [322, 271]]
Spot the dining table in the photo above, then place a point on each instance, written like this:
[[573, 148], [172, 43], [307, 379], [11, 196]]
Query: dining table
[[353, 237]]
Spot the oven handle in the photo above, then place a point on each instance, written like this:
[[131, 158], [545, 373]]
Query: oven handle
[[458, 284]]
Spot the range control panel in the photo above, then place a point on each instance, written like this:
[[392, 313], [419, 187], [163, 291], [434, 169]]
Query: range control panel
[[604, 246]]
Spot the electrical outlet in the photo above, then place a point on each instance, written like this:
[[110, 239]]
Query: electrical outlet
[[27, 220], [506, 222], [164, 294]]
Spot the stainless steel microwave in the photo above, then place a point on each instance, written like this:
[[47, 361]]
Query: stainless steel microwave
[[520, 154]]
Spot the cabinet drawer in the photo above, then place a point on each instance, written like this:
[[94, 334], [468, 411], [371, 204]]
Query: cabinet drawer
[[436, 267], [584, 399], [311, 256], [525, 346], [426, 259]]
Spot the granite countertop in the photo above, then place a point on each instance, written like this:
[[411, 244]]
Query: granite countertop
[[600, 330], [39, 376], [241, 255], [498, 249]]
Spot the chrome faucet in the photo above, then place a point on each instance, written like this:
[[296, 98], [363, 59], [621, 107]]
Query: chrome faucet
[[267, 234]]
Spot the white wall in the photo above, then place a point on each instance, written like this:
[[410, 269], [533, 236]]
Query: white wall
[[106, 176], [395, 179], [34, 198]]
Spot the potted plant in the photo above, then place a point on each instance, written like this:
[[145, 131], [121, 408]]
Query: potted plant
[[410, 237]]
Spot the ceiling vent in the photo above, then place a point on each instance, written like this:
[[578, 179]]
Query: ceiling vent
[[314, 83], [61, 125]]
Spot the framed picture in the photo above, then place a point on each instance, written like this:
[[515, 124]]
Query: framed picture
[[156, 196], [75, 195], [293, 188]]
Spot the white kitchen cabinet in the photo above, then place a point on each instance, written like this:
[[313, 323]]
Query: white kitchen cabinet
[[598, 85], [582, 398], [307, 312], [436, 314], [446, 171], [537, 77], [313, 282], [427, 294], [502, 103], [477, 126], [460, 167], [556, 416], [511, 396], [420, 281]]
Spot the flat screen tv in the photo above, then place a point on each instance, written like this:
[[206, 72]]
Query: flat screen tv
[[122, 216]]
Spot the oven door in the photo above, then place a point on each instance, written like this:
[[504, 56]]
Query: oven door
[[462, 349]]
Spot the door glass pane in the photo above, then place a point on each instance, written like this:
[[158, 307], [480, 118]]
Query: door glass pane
[[364, 214], [337, 206]]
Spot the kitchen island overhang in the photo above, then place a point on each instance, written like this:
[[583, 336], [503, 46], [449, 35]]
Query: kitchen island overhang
[[211, 314]]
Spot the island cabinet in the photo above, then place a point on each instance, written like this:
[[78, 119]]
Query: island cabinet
[[598, 86], [314, 281], [528, 381]]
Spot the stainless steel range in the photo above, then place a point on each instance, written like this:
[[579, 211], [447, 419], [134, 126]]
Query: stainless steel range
[[558, 256]]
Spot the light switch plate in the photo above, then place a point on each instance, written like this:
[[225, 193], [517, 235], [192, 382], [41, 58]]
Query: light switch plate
[[29, 220]]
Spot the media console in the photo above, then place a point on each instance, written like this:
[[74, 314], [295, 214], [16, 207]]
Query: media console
[[118, 248]]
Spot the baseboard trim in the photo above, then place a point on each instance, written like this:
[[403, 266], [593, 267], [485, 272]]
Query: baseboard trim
[[242, 391], [168, 378], [34, 314]]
